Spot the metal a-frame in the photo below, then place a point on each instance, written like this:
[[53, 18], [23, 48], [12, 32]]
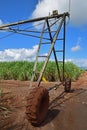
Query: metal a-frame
[[60, 21]]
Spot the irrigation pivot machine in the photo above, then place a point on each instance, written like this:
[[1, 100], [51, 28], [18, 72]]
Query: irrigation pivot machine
[[50, 28]]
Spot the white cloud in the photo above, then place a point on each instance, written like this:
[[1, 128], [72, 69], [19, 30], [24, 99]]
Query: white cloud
[[18, 54], [79, 62], [78, 9], [1, 22], [45, 6], [76, 48]]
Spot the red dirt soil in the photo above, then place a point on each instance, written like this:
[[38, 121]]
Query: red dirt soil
[[67, 111]]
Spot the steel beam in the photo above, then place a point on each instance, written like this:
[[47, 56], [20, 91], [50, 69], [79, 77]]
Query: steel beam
[[34, 20]]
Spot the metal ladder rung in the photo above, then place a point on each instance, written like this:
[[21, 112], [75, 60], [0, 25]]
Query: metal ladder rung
[[46, 43], [59, 51], [60, 39], [43, 56]]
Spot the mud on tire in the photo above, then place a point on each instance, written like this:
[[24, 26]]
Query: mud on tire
[[37, 105]]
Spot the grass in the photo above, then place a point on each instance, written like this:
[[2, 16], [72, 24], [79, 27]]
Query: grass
[[22, 70]]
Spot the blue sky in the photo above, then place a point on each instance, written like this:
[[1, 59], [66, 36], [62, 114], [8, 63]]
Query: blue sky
[[19, 47]]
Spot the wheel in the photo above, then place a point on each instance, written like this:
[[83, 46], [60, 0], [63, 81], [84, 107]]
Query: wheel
[[67, 86], [37, 105]]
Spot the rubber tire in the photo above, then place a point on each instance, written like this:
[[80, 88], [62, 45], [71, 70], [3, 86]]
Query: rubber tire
[[37, 105], [67, 86]]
